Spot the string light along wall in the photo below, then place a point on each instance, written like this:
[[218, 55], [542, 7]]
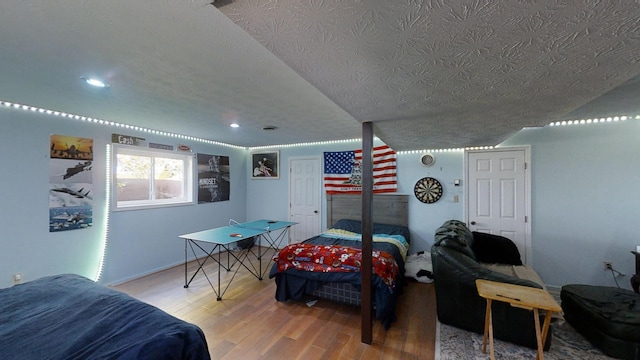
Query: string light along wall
[[109, 175], [107, 212], [108, 168]]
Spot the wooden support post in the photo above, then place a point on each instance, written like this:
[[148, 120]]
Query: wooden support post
[[367, 232]]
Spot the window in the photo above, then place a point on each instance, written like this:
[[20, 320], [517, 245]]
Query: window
[[150, 178]]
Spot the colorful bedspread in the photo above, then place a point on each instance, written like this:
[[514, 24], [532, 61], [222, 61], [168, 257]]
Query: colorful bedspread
[[335, 258], [396, 240], [293, 283]]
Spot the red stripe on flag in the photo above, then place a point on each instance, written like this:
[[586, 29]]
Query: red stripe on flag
[[384, 174]]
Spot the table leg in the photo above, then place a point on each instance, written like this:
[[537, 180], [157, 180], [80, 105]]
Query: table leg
[[219, 297], [186, 285], [545, 327], [260, 256], [536, 321], [488, 330], [487, 317], [635, 279]]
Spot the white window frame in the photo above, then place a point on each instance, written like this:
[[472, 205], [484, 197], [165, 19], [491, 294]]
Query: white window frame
[[188, 184]]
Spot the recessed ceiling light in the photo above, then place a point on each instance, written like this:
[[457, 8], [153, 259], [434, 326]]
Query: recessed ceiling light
[[95, 82], [234, 125]]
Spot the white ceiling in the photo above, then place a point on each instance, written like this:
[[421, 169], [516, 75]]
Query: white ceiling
[[429, 74]]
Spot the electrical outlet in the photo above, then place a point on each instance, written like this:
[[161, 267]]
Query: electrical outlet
[[17, 278], [608, 265]]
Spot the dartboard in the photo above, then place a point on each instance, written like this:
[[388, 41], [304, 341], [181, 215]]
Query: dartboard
[[428, 190]]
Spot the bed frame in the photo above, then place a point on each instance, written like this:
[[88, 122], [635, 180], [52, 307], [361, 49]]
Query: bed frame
[[390, 209]]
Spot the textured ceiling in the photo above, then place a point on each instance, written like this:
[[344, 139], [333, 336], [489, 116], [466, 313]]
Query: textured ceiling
[[177, 66], [430, 74], [450, 73]]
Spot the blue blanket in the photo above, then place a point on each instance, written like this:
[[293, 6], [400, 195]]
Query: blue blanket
[[71, 317]]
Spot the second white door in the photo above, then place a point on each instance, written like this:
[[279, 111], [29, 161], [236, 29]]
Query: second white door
[[304, 198], [497, 192]]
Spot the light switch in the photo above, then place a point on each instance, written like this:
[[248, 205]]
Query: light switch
[[455, 198]]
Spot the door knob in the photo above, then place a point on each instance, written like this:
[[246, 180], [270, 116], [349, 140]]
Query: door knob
[[473, 223], [315, 211]]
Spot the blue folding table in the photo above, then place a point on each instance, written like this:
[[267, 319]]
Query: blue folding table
[[224, 237]]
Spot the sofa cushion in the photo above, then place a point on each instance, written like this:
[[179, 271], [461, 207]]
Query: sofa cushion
[[617, 310], [523, 272], [609, 317], [455, 234], [490, 248]]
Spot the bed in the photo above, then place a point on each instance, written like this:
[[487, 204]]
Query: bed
[[71, 317], [390, 218]]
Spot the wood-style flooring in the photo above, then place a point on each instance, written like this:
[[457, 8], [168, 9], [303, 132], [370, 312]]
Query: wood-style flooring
[[248, 323]]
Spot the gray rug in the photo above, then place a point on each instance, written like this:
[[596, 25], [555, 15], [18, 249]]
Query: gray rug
[[456, 344]]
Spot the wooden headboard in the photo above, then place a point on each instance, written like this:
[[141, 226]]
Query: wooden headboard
[[387, 208]]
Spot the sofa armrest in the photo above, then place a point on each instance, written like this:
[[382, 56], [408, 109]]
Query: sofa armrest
[[458, 267]]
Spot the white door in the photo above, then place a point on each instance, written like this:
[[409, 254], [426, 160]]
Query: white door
[[304, 198], [497, 195]]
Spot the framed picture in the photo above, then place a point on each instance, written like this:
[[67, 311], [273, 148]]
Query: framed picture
[[265, 165]]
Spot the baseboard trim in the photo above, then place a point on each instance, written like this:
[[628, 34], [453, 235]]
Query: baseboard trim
[[162, 268]]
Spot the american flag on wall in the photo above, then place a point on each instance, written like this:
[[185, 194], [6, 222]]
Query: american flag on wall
[[343, 171]]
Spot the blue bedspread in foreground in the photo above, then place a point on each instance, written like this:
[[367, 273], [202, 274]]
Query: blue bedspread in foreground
[[71, 317]]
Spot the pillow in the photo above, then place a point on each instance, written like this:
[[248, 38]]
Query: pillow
[[454, 239], [348, 225], [419, 267], [356, 227], [454, 223], [454, 234], [392, 230], [495, 249], [454, 229]]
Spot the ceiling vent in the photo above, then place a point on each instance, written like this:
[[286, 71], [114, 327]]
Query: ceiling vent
[[220, 3]]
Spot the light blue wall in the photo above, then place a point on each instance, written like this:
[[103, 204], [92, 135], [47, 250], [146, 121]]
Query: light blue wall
[[140, 242], [585, 200], [424, 219], [269, 198], [585, 193], [145, 241]]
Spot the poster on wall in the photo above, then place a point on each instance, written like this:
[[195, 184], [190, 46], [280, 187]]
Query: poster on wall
[[213, 178], [70, 183], [266, 165]]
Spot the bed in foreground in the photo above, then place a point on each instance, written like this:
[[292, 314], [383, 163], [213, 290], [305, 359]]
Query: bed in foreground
[[327, 264], [71, 317]]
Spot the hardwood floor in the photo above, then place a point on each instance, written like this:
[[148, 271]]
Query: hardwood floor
[[248, 323]]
